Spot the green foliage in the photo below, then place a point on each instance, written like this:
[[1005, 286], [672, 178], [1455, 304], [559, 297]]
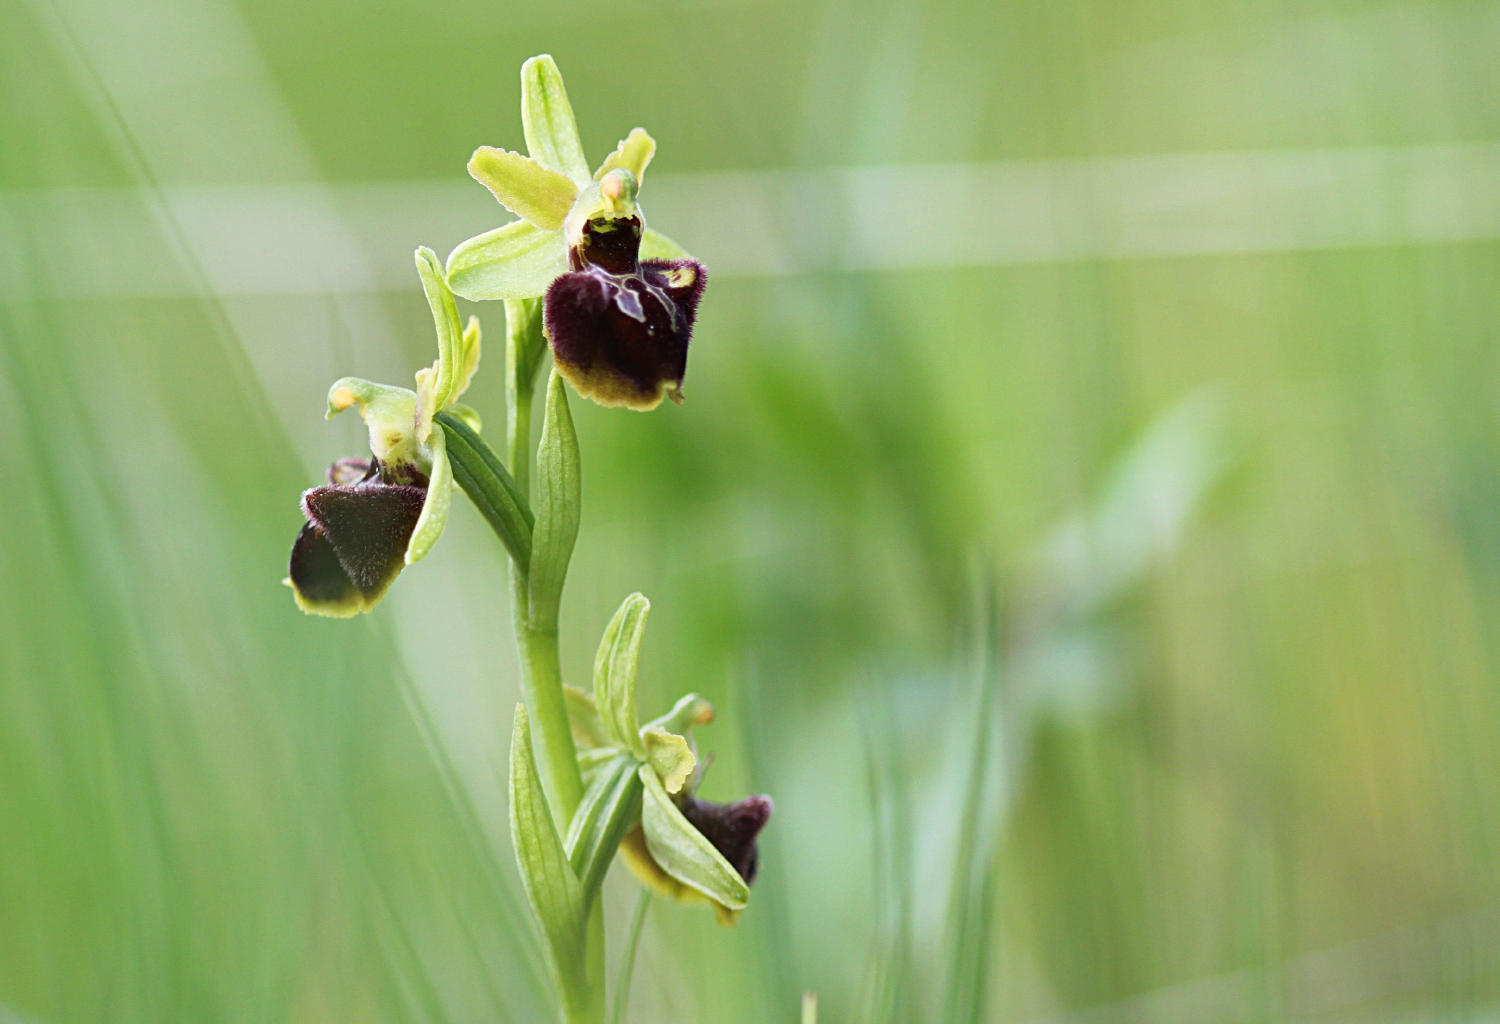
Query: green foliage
[[489, 485], [557, 507], [557, 898]]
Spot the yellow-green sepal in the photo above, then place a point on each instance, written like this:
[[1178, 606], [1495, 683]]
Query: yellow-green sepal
[[435, 509], [682, 852], [547, 120], [516, 261], [527, 189]]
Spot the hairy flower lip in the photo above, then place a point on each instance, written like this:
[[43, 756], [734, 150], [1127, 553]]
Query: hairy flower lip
[[732, 828], [353, 544], [622, 339]]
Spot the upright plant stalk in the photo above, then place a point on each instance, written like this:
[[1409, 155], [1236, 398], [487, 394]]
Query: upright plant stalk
[[535, 621], [536, 643], [620, 302]]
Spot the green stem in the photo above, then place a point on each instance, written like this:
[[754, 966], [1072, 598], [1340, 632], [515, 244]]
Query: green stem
[[541, 669], [627, 958], [541, 683]]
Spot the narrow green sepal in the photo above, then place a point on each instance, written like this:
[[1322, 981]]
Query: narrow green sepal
[[547, 120], [524, 187], [435, 509], [633, 153], [552, 888], [609, 809], [516, 261], [488, 484], [615, 670], [670, 756], [557, 504], [681, 850]]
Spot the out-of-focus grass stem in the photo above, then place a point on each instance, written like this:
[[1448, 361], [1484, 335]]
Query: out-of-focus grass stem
[[627, 956]]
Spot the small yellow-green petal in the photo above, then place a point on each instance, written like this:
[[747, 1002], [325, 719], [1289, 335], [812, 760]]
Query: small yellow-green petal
[[469, 361], [435, 509], [516, 261], [670, 756], [633, 153], [547, 120], [427, 404], [523, 186]]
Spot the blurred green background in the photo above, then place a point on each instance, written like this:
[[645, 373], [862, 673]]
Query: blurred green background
[[1082, 515]]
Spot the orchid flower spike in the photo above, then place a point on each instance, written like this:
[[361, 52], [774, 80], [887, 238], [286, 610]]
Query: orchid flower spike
[[621, 299], [378, 515]]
